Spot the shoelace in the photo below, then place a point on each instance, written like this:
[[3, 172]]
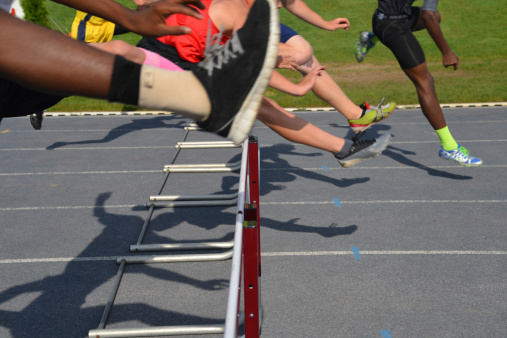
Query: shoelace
[[464, 150], [361, 144], [217, 54]]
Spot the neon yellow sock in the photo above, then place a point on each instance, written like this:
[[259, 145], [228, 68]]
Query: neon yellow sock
[[446, 139]]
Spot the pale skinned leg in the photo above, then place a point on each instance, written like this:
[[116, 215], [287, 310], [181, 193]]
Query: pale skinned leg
[[295, 129], [325, 87], [118, 47]]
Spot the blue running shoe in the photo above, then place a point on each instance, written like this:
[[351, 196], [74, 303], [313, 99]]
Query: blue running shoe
[[364, 44], [460, 155]]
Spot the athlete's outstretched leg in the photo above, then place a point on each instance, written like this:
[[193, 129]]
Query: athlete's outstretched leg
[[295, 129], [62, 66], [425, 87]]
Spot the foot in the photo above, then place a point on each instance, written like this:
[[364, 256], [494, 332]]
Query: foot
[[36, 120], [371, 116], [236, 76], [364, 44], [365, 149], [460, 155]]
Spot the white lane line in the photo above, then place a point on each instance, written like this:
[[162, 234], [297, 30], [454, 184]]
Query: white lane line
[[271, 254], [58, 259], [262, 146], [88, 148], [262, 203], [384, 252], [382, 202], [84, 172], [327, 169], [129, 206], [388, 168]]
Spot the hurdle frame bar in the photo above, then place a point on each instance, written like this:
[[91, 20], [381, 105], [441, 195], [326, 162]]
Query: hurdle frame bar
[[245, 257]]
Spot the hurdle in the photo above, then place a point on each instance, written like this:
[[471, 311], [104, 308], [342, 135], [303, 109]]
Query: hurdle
[[244, 251], [174, 201]]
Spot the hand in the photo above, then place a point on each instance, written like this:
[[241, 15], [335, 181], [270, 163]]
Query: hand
[[308, 81], [338, 23], [150, 22], [142, 4], [286, 62], [450, 59]]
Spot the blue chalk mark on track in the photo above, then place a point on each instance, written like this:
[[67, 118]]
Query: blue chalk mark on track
[[386, 334], [355, 251]]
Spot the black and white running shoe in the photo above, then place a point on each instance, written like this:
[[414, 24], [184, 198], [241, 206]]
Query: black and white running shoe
[[364, 149], [237, 75]]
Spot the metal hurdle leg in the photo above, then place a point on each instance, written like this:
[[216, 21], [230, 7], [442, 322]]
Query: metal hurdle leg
[[244, 216]]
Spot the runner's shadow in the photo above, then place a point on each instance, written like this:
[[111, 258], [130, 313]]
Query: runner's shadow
[[276, 170], [401, 156], [48, 307], [135, 125]]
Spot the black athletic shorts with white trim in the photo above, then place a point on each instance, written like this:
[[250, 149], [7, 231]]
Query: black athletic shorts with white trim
[[395, 32]]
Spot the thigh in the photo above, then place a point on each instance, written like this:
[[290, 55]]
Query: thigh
[[398, 37], [415, 19], [166, 51], [286, 33]]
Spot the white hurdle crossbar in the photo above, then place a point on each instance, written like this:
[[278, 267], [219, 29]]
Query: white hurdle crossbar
[[245, 254]]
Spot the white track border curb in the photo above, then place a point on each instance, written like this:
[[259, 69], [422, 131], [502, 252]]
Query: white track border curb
[[137, 113]]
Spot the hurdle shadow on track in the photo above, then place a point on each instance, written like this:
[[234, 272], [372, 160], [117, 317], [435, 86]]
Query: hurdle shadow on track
[[55, 306], [135, 125]]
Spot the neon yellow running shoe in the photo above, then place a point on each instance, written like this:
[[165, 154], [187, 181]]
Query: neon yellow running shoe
[[372, 116]]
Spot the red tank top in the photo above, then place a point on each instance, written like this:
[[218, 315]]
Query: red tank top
[[191, 47]]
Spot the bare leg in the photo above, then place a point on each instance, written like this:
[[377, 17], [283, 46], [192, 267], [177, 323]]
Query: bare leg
[[425, 86], [325, 87], [295, 129], [61, 66], [118, 47]]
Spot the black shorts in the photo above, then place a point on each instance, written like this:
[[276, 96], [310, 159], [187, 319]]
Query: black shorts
[[396, 34], [17, 100], [166, 51]]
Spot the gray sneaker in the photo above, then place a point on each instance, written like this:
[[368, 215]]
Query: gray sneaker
[[364, 149]]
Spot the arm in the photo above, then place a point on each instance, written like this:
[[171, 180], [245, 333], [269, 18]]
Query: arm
[[149, 22], [432, 24], [300, 9]]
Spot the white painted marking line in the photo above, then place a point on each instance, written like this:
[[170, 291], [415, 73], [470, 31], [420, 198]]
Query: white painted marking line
[[74, 207], [89, 148], [270, 254], [84, 172], [263, 203], [262, 169]]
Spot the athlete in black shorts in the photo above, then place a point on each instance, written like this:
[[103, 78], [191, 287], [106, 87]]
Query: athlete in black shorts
[[393, 24]]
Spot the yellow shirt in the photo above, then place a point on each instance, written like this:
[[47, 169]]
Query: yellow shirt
[[91, 28]]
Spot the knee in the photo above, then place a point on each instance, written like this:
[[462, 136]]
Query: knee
[[426, 83], [303, 55], [119, 47], [300, 49]]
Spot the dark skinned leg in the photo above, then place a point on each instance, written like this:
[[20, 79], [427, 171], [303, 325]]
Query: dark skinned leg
[[42, 59], [425, 86]]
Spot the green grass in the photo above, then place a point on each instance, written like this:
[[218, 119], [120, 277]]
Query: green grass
[[475, 30]]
